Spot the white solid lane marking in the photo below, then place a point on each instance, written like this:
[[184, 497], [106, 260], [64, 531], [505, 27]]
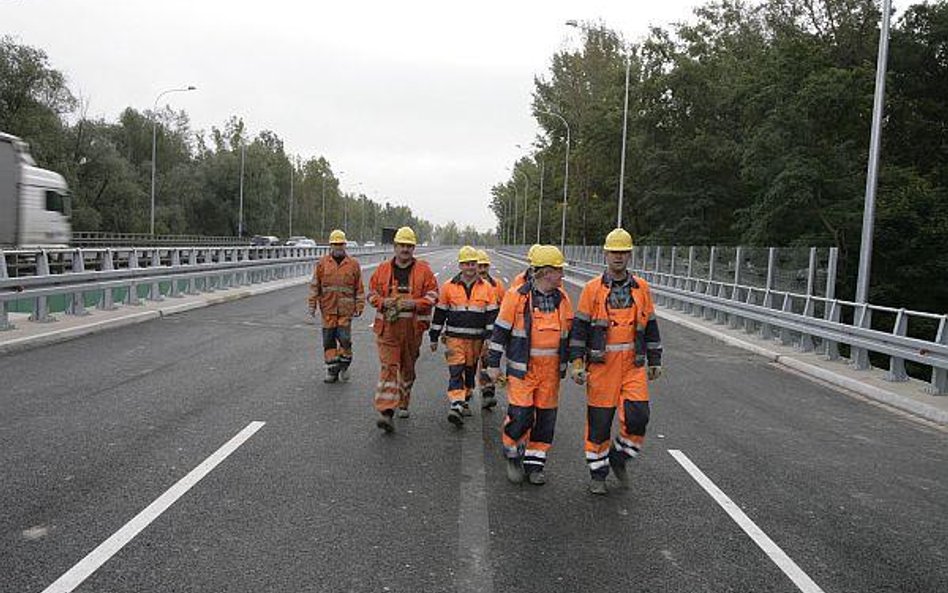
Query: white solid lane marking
[[473, 572], [778, 556], [99, 556]]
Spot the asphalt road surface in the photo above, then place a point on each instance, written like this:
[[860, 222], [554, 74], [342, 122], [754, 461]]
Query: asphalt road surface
[[244, 472]]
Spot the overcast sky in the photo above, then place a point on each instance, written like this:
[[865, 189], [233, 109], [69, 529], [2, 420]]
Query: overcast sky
[[418, 102]]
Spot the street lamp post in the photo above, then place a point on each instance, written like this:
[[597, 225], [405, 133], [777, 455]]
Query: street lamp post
[[291, 201], [240, 214], [565, 176], [523, 233], [154, 146], [872, 175], [540, 203], [625, 126]]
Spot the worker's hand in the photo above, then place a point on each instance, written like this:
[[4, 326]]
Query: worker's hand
[[388, 303], [654, 373], [406, 305], [577, 371], [493, 373], [357, 313], [434, 346]]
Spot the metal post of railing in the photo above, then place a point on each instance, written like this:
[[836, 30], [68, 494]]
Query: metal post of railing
[[192, 265], [720, 317], [897, 372], [107, 265], [155, 292], [939, 382], [806, 340], [862, 317], [786, 338], [209, 277], [77, 303], [131, 296], [657, 277], [689, 280], [175, 291], [831, 348], [40, 304], [4, 319], [766, 330], [708, 312], [735, 321]]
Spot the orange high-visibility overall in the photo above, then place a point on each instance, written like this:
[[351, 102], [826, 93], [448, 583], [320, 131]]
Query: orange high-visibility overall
[[337, 291]]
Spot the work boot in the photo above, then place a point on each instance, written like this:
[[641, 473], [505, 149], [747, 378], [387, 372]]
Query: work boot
[[488, 400], [402, 412], [466, 409], [454, 417], [385, 421], [537, 478], [514, 470], [332, 375], [597, 486], [344, 374], [618, 469]]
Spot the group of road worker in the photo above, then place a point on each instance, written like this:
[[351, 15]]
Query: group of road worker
[[609, 343]]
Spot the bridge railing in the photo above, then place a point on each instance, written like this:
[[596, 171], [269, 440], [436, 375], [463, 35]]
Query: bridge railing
[[43, 282], [784, 294]]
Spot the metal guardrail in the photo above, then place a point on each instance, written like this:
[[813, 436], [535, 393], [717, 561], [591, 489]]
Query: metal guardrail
[[101, 278], [808, 321], [102, 239]]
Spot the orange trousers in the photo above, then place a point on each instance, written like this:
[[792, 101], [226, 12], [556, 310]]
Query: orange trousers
[[617, 383], [531, 412], [398, 345], [462, 355]]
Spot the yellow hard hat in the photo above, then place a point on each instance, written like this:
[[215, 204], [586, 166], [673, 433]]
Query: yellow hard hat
[[337, 236], [406, 236], [467, 254], [482, 257], [531, 251], [547, 255], [618, 240]]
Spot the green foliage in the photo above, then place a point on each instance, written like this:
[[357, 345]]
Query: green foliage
[[750, 125]]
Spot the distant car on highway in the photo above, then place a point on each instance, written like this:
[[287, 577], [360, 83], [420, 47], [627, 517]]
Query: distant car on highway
[[264, 240], [352, 244], [300, 242], [369, 244]]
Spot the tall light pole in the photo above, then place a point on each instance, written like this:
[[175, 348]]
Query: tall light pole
[[540, 203], [291, 201], [872, 175], [625, 126], [523, 233], [154, 145], [565, 176], [240, 214]]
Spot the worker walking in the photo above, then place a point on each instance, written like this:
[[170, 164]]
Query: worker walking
[[487, 387], [615, 348], [532, 329], [336, 290], [403, 291], [465, 313]]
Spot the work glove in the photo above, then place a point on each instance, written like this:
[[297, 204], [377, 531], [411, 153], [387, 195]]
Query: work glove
[[405, 305], [357, 313], [494, 374], [577, 371], [654, 373], [434, 346]]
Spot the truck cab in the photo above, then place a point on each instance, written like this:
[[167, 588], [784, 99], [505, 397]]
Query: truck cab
[[34, 202]]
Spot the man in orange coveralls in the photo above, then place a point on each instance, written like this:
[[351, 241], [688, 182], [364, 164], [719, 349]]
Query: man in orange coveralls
[[403, 291], [336, 290]]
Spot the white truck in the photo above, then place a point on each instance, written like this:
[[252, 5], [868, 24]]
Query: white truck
[[34, 202]]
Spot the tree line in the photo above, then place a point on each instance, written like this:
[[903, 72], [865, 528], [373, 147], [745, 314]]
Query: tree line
[[749, 125], [108, 167]]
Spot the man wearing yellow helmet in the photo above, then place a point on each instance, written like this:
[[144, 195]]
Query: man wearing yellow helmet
[[465, 312], [532, 329], [488, 389], [615, 336], [403, 291], [337, 291]]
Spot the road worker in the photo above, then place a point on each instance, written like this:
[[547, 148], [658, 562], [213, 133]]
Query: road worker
[[336, 290], [532, 329], [488, 389], [523, 276], [615, 349], [403, 291], [467, 306]]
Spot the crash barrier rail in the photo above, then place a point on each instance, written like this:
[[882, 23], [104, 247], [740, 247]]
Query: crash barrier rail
[[74, 280], [101, 239], [794, 305]]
